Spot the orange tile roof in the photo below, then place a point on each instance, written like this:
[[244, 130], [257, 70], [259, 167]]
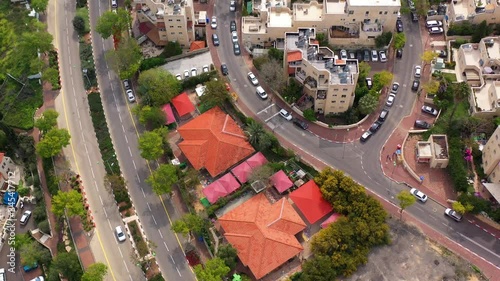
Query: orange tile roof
[[294, 56], [214, 141], [263, 234], [195, 45]]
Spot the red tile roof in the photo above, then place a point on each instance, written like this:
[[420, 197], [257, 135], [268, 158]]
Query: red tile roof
[[310, 201], [263, 234], [294, 56], [196, 45], [214, 141]]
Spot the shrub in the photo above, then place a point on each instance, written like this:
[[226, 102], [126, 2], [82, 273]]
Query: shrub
[[383, 39], [479, 204], [23, 191], [309, 114], [259, 61], [39, 213], [151, 63], [44, 226], [142, 248], [171, 49], [456, 165], [191, 82], [157, 277], [79, 25], [459, 42]]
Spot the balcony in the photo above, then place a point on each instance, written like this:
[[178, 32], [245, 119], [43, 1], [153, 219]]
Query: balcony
[[372, 29], [344, 32]]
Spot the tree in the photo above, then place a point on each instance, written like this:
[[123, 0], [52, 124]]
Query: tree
[[214, 270], [79, 25], [158, 86], [228, 254], [461, 208], [257, 136], [428, 57], [367, 104], [69, 201], [22, 239], [173, 48], [34, 252], [272, 73], [40, 6], [309, 114], [47, 121], [162, 179], [36, 41], [68, 265], [215, 93], [95, 272], [150, 116], [51, 75], [53, 142], [111, 23], [383, 39], [189, 223], [126, 59], [276, 54], [482, 30], [382, 79], [431, 87], [3, 140], [461, 92], [262, 173], [319, 268], [399, 40], [151, 145], [364, 70], [405, 200]]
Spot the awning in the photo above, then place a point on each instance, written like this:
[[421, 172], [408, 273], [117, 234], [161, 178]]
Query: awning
[[257, 160], [169, 114], [221, 188], [281, 181], [183, 104], [229, 183], [494, 189], [242, 171]]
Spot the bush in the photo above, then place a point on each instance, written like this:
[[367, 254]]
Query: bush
[[79, 25], [459, 42], [157, 277], [479, 204], [464, 28], [142, 248], [151, 63], [44, 226], [191, 82], [383, 39], [259, 61], [457, 166], [309, 114], [23, 191], [292, 92], [171, 49], [39, 213]]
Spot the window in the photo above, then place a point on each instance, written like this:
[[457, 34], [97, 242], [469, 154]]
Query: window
[[321, 76], [179, 26], [334, 101], [343, 96], [171, 26], [178, 19], [172, 33], [380, 12], [385, 13], [335, 95], [353, 19], [342, 101], [367, 13], [345, 90], [351, 12], [335, 89], [161, 29], [180, 33], [169, 19], [395, 12]]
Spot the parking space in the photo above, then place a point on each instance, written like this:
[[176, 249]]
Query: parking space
[[186, 64], [271, 115]]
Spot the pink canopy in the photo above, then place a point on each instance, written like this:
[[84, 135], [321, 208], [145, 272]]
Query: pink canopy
[[334, 217], [257, 160], [242, 171], [281, 181], [183, 104], [169, 114], [221, 188]]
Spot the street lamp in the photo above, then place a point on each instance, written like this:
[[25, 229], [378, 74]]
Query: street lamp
[[343, 151]]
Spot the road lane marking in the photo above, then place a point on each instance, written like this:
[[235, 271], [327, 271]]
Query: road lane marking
[[142, 189], [172, 259], [130, 151], [149, 207], [109, 75], [477, 244], [109, 223], [126, 139], [100, 198], [154, 219], [161, 235], [139, 180], [126, 267], [179, 271], [95, 185], [133, 163], [120, 250], [105, 213], [166, 246], [123, 128]]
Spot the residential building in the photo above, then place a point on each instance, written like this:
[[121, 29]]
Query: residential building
[[263, 234], [479, 65], [8, 172], [344, 22], [474, 11], [164, 21], [328, 80], [491, 164], [433, 151]]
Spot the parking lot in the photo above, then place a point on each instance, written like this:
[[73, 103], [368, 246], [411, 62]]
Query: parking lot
[[181, 65]]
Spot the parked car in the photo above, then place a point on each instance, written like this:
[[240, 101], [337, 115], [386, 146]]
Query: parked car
[[343, 54], [186, 74], [433, 23], [194, 72], [369, 83], [366, 55], [415, 85], [232, 26], [429, 110], [414, 16], [375, 127], [417, 71], [399, 25], [119, 234], [374, 55], [215, 40], [261, 92], [365, 136], [390, 100], [205, 68], [359, 55], [234, 36], [39, 278], [232, 6], [301, 124], [178, 76], [383, 57], [224, 69], [453, 214], [25, 217], [130, 95], [252, 78], [441, 53], [30, 267], [431, 13], [383, 115], [126, 84], [213, 22], [352, 55], [395, 88], [422, 124], [285, 114], [399, 53], [236, 49], [435, 30], [419, 195]]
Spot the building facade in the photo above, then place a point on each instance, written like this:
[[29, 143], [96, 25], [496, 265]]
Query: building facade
[[328, 80], [474, 11], [345, 23], [491, 157]]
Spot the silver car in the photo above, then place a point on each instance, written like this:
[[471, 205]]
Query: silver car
[[285, 114], [253, 79], [390, 100], [119, 234], [419, 195]]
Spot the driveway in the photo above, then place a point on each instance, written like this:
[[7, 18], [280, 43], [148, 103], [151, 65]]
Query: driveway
[[180, 65]]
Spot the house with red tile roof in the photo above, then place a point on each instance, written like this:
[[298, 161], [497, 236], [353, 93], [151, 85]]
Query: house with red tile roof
[[214, 141], [263, 233]]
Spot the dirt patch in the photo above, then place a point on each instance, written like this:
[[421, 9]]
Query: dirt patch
[[411, 256]]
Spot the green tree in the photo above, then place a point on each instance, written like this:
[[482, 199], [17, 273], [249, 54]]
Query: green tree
[[68, 265], [383, 39], [71, 201], [382, 79], [461, 208], [214, 270], [111, 23], [151, 145], [431, 87], [150, 116], [34, 252], [405, 200], [461, 92], [276, 55], [254, 131], [399, 40], [126, 59], [22, 239], [482, 30], [95, 272], [319, 268], [3, 140], [47, 121], [228, 254], [215, 93], [51, 75], [309, 114], [322, 39], [53, 142], [162, 179], [189, 223], [367, 104], [173, 48], [79, 25], [158, 86], [39, 5], [428, 56], [364, 70]]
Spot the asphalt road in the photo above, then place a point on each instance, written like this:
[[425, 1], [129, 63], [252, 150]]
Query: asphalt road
[[360, 161], [83, 153], [155, 214]]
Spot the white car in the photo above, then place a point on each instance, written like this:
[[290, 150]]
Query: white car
[[25, 217], [418, 71], [383, 57], [453, 214], [178, 77], [39, 278], [186, 74], [374, 55], [130, 95], [343, 54], [285, 114], [119, 234], [234, 36], [232, 6], [206, 69], [194, 72], [213, 22], [390, 100], [419, 195], [253, 79]]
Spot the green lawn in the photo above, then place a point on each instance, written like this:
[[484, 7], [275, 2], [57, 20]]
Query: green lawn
[[452, 77], [84, 13]]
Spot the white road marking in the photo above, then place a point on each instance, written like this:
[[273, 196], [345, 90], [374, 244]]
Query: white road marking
[[110, 224], [126, 267], [178, 271], [100, 198], [130, 151], [126, 139], [265, 109], [149, 207], [139, 180], [123, 128], [172, 259], [105, 213], [481, 246], [133, 163], [109, 76], [154, 220], [92, 170], [142, 189], [96, 186], [81, 127], [120, 250], [166, 246], [161, 235]]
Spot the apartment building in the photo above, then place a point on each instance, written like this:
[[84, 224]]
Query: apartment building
[[479, 65], [474, 11], [345, 22], [491, 164], [166, 20], [329, 80]]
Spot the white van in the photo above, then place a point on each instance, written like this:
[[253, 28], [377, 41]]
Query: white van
[[261, 93], [114, 4], [433, 23]]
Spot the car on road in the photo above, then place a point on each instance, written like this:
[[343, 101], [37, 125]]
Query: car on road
[[205, 68], [441, 53], [366, 55], [213, 22], [399, 26], [39, 278], [365, 136], [383, 115], [343, 54], [301, 124], [25, 217], [126, 84], [232, 26], [234, 36], [453, 214], [186, 74], [130, 95], [252, 78], [383, 57], [429, 110], [194, 72], [374, 55], [119, 234], [399, 53], [395, 88], [261, 92], [114, 4], [422, 124], [369, 83], [436, 30], [285, 114], [375, 127], [414, 16], [215, 40], [417, 71], [236, 49], [2, 274], [419, 195], [232, 6], [178, 76], [390, 100], [224, 69], [415, 85]]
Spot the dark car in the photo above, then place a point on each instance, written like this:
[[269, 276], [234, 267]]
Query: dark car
[[301, 124], [399, 53], [441, 53], [359, 55], [415, 85], [394, 88], [366, 55], [429, 110], [422, 124], [126, 84], [365, 136], [232, 26], [414, 16], [375, 127], [215, 39], [399, 26], [383, 115], [224, 70], [236, 49]]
